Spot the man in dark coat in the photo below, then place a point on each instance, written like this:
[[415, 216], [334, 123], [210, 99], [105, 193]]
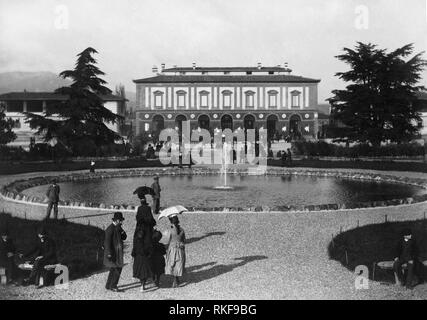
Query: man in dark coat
[[42, 254], [406, 252], [7, 253], [156, 197], [113, 251], [52, 195]]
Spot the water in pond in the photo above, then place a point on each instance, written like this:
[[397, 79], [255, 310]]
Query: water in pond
[[198, 191]]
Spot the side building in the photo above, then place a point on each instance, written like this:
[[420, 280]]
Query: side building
[[17, 103], [228, 97]]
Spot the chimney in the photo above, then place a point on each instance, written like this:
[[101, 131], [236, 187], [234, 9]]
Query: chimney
[[155, 69], [163, 67], [259, 65], [194, 66]]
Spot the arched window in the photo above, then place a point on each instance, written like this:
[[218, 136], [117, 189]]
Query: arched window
[[181, 96], [158, 99], [204, 99], [226, 99], [296, 99], [249, 99], [272, 99]]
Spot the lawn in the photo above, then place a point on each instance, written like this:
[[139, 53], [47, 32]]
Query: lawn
[[78, 246], [377, 242]]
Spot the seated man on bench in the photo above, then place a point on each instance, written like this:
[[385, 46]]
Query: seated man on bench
[[44, 253], [406, 253], [7, 254]]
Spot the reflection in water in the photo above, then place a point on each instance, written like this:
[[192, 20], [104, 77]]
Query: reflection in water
[[197, 190]]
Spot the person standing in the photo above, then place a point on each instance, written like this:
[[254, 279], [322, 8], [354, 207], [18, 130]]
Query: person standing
[[158, 259], [175, 253], [142, 243], [113, 251], [43, 254], [406, 252], [289, 156], [156, 196], [7, 254], [92, 167], [52, 195]]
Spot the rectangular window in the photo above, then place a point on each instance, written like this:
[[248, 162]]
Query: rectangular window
[[227, 101], [295, 101], [249, 101], [204, 101], [272, 101], [14, 106], [181, 101], [158, 101], [35, 106]]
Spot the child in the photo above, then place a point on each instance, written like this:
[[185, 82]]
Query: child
[[175, 255], [158, 259]]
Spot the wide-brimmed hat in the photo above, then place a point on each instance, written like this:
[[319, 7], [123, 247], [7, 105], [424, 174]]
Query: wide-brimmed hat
[[118, 216], [156, 177]]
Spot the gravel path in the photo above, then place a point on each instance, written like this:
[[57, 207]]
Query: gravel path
[[241, 256]]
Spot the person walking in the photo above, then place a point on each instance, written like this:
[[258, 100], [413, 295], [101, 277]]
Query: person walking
[[52, 195], [175, 253], [113, 251], [156, 197]]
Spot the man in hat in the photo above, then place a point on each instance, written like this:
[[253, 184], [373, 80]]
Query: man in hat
[[43, 253], [7, 253], [156, 196], [113, 251], [52, 195], [406, 253]]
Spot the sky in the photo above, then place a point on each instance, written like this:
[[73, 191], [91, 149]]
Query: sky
[[133, 35]]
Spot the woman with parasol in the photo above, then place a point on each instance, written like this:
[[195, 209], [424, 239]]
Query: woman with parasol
[[175, 253]]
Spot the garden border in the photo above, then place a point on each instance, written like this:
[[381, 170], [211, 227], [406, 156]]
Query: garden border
[[12, 191]]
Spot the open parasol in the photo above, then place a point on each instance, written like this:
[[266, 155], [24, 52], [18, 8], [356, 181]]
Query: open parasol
[[171, 211], [142, 191]]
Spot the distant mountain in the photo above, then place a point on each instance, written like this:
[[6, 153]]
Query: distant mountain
[[31, 81]]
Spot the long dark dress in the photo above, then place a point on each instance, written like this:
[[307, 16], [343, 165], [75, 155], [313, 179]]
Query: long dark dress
[[141, 252], [158, 259], [142, 243]]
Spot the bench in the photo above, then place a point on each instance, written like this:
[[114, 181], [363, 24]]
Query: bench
[[388, 265], [49, 268]]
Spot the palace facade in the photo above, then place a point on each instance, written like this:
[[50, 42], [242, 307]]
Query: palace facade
[[228, 97]]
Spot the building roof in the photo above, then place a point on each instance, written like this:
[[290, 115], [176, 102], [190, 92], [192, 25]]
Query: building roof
[[26, 95], [226, 79], [227, 69]]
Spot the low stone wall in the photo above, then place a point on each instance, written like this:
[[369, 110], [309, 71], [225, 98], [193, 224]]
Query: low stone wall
[[12, 191]]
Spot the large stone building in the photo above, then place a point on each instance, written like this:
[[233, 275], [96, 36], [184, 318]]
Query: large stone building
[[37, 102], [228, 97]]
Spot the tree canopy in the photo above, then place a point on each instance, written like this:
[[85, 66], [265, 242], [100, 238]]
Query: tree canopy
[[378, 103], [80, 121], [6, 128]]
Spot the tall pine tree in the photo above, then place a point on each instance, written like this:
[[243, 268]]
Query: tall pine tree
[[378, 103], [81, 120]]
